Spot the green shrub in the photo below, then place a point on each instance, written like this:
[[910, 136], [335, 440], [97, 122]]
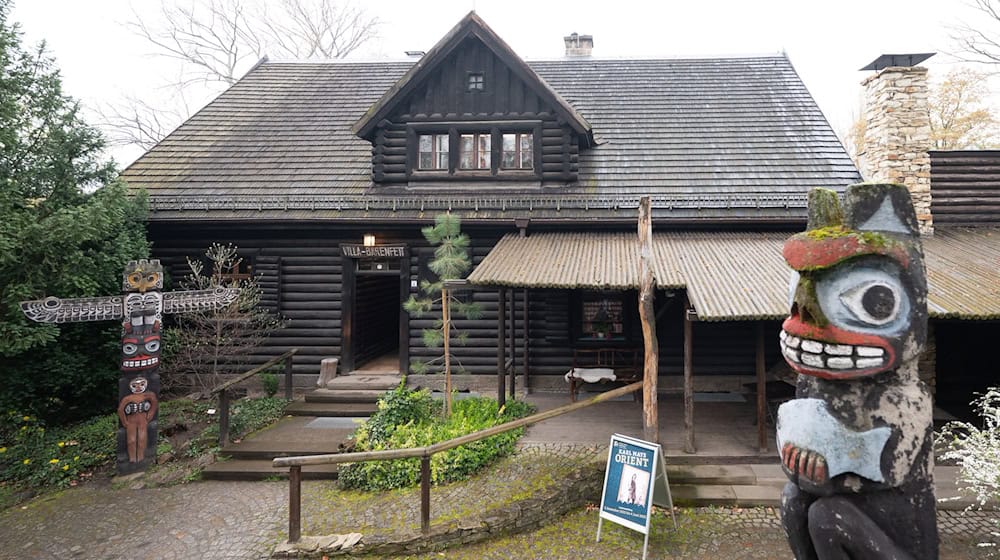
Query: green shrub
[[33, 456], [270, 383], [408, 419]]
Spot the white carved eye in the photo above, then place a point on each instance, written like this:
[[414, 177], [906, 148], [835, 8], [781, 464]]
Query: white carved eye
[[152, 346], [874, 302], [793, 283], [129, 348]]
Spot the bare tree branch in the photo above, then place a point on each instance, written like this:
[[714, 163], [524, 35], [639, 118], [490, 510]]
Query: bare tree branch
[[979, 43], [216, 41]]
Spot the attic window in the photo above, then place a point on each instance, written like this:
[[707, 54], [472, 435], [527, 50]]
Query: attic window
[[433, 151], [475, 82], [474, 151]]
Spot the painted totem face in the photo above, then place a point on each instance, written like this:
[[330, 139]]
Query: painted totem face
[[138, 385], [858, 291], [141, 341], [142, 276]]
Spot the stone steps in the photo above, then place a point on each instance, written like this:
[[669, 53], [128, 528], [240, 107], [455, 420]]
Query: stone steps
[[326, 409], [344, 395], [261, 469]]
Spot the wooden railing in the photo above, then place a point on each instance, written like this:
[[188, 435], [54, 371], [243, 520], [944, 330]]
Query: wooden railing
[[223, 390], [295, 464]]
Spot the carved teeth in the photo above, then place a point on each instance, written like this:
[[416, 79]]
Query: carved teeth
[[840, 363], [869, 362], [839, 357], [840, 349]]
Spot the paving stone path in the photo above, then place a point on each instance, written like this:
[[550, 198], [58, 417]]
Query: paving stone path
[[245, 520]]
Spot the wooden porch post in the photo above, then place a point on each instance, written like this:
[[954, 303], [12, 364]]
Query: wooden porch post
[[501, 345], [647, 287], [761, 391], [513, 340], [524, 345], [688, 380]]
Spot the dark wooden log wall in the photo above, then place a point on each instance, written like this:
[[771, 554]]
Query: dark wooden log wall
[[301, 275], [965, 187], [443, 97]]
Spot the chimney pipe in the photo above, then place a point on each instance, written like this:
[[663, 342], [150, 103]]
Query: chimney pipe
[[579, 45]]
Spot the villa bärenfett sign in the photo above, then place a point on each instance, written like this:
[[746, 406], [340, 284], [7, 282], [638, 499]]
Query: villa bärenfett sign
[[373, 251], [856, 442], [141, 309], [635, 478]]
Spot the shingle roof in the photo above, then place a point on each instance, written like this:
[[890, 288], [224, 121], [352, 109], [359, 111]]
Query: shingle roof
[[732, 275], [705, 138]]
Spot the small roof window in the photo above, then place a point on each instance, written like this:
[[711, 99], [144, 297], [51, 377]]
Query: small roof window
[[475, 82]]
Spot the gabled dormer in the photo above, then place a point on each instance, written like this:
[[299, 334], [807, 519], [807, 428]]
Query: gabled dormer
[[471, 111]]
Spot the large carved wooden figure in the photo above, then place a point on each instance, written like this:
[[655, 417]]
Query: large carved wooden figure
[[856, 442], [141, 309]]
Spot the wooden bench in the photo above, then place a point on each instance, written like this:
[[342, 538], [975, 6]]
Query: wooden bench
[[624, 363]]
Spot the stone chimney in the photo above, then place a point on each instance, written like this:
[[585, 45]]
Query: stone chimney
[[898, 132], [579, 45]]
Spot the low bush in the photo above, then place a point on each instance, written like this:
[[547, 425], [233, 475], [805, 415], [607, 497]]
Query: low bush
[[36, 457], [408, 419]]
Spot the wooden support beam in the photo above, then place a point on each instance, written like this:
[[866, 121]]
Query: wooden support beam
[[524, 353], [513, 340], [446, 317], [761, 391], [688, 380], [647, 293], [501, 346]]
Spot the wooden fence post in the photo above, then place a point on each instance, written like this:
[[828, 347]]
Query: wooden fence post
[[425, 494], [223, 417], [294, 503]]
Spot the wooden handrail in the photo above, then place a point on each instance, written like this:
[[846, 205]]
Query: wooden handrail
[[223, 390], [254, 371], [296, 463]]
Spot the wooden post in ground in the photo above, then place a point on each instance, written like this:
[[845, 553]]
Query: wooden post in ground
[[761, 391], [647, 293], [447, 351], [688, 380], [501, 346]]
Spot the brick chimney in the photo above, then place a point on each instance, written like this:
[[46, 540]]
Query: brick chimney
[[579, 45], [898, 132]]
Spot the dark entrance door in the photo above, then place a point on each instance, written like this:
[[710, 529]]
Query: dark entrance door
[[375, 282]]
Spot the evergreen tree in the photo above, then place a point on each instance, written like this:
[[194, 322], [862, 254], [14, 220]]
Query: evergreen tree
[[451, 261], [67, 228]]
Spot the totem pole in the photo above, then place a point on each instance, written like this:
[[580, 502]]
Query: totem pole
[[141, 309], [855, 443]]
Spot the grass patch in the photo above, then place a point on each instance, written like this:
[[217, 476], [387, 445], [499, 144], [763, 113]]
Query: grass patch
[[407, 419]]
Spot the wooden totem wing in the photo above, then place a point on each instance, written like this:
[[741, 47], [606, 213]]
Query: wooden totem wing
[[198, 300], [73, 310]]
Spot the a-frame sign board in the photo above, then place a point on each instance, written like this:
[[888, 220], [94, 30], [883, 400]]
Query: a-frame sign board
[[634, 480]]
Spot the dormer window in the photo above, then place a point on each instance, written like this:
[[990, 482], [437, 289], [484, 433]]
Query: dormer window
[[518, 151], [474, 151], [475, 82], [433, 152]]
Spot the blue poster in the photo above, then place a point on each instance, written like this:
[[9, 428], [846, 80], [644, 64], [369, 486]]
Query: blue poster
[[628, 482]]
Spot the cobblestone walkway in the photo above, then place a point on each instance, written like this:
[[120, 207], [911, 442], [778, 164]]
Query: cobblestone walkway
[[230, 520]]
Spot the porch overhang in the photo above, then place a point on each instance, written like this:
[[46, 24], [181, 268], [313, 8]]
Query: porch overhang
[[731, 276]]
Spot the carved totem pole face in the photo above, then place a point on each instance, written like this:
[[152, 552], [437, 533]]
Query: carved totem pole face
[[858, 293]]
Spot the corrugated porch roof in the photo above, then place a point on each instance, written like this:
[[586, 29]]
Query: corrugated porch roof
[[731, 276]]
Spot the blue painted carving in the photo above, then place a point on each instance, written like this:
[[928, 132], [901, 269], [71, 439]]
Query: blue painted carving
[[856, 442]]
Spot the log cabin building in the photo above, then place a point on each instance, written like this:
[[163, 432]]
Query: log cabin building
[[323, 174]]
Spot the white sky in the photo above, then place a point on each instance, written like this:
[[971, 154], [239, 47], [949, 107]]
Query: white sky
[[826, 41]]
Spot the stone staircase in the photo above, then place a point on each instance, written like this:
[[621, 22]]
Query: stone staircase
[[316, 425]]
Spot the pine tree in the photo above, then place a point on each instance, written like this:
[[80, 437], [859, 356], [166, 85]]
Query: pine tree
[[451, 262], [67, 228]]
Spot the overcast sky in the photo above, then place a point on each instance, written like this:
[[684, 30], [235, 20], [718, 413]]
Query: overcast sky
[[827, 42]]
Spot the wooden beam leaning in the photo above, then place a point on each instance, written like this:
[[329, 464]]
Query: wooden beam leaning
[[647, 315], [688, 380]]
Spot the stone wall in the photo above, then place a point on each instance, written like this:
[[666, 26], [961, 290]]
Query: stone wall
[[897, 135]]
